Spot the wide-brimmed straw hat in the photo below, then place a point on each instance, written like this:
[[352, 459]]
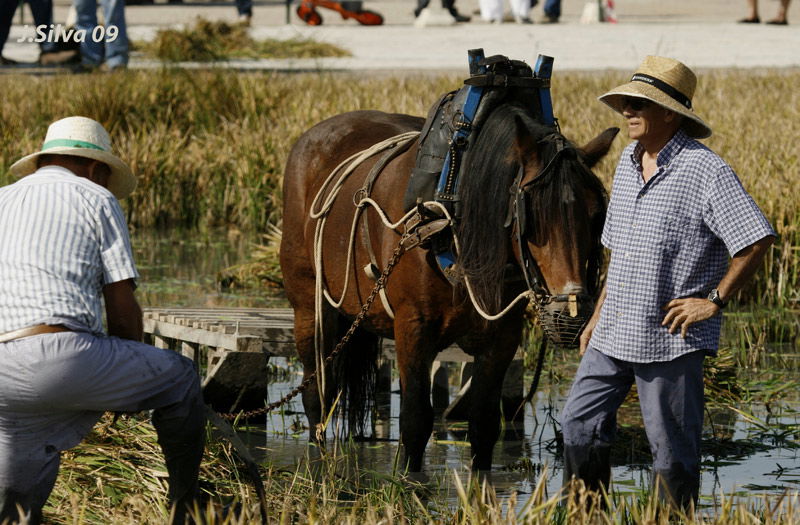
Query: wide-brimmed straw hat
[[666, 82], [81, 137]]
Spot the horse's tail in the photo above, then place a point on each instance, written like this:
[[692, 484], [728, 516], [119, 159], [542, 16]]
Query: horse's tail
[[355, 372]]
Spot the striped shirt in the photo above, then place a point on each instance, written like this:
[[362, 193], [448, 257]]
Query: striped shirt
[[670, 238], [62, 238]]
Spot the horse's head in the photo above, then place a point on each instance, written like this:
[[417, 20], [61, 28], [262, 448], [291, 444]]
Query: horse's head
[[553, 215], [558, 209]]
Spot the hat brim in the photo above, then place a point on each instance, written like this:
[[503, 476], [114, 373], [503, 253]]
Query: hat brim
[[692, 124], [121, 182]]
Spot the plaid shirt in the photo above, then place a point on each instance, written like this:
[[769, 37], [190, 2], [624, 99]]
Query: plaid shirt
[[670, 238]]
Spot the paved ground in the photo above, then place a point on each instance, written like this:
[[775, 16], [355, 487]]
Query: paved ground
[[702, 33]]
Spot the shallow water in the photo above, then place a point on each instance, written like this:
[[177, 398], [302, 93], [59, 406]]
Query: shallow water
[[755, 452]]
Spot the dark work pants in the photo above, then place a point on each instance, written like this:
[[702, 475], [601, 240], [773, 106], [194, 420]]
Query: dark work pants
[[671, 400]]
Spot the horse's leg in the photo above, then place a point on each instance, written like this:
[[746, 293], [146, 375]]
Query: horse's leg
[[493, 353], [414, 360], [304, 328]]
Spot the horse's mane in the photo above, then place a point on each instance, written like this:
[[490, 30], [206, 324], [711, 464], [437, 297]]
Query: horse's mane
[[491, 166]]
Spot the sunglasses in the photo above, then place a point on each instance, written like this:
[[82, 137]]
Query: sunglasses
[[635, 103]]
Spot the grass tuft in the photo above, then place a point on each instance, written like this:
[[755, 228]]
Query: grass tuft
[[208, 41]]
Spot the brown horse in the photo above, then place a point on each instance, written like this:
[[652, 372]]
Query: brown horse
[[548, 225]]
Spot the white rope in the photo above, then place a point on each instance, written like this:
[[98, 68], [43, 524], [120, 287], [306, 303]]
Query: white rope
[[345, 169], [351, 163]]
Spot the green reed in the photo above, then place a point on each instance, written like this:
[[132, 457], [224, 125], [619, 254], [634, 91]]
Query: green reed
[[210, 146], [117, 476]]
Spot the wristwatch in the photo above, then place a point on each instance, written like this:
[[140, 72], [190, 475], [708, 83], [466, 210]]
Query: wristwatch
[[716, 299]]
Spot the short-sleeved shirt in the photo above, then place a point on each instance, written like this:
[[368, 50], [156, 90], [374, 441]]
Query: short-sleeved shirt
[[62, 238], [670, 238]]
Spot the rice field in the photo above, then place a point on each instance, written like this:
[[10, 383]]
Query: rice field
[[209, 149]]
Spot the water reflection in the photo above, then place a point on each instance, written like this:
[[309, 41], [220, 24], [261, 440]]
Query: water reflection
[[179, 267], [749, 448]]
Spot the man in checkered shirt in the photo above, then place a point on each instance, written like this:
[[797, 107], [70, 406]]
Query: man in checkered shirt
[[677, 212]]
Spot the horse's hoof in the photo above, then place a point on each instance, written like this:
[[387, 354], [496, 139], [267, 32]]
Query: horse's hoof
[[483, 476], [418, 478]]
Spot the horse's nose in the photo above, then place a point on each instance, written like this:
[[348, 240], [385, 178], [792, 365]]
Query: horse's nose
[[564, 317]]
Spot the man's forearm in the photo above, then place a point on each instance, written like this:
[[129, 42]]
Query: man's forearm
[[743, 265]]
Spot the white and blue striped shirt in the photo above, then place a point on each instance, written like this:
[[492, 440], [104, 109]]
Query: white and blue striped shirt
[[62, 238], [670, 238]]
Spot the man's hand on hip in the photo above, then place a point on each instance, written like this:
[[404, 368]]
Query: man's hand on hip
[[682, 313]]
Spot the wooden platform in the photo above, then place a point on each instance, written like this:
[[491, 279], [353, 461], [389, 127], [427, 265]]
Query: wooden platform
[[232, 347], [245, 330]]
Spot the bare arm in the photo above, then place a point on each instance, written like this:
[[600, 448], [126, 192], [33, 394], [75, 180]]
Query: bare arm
[[682, 313], [587, 331], [123, 313]]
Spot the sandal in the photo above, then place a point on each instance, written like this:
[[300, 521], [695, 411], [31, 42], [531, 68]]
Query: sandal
[[755, 20], [778, 23]]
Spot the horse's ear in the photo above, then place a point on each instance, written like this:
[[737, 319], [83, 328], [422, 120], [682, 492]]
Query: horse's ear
[[524, 145], [597, 148]]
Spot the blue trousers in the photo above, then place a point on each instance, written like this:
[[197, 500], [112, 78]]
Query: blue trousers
[[671, 400], [113, 51], [552, 8]]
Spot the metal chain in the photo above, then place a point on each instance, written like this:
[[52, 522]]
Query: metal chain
[[379, 284]]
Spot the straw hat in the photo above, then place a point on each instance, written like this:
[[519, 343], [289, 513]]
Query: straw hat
[[666, 82], [81, 137]]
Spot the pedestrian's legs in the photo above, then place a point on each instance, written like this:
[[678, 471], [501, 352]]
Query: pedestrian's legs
[[671, 398], [552, 9], [244, 7], [116, 49], [521, 10], [42, 11], [491, 10], [589, 418], [91, 52], [7, 10]]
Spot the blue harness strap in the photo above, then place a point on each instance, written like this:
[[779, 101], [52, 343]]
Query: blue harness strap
[[544, 69], [446, 188], [447, 185]]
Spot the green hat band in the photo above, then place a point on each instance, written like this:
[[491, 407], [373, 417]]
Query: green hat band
[[69, 143]]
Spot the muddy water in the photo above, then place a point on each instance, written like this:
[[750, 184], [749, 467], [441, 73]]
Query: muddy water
[[750, 449]]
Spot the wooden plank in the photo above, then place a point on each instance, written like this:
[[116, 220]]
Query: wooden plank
[[247, 330]]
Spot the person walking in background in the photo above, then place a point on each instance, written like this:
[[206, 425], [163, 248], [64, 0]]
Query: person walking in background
[[552, 10], [245, 10], [753, 18], [51, 53], [447, 4], [113, 49], [492, 11], [64, 253], [676, 214]]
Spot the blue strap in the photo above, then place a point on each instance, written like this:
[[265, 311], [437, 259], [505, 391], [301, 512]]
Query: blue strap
[[447, 259], [544, 69]]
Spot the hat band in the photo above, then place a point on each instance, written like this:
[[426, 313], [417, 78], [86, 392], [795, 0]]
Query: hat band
[[663, 86], [69, 143]]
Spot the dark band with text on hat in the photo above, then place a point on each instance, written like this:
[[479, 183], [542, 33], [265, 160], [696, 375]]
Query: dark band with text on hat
[[668, 83]]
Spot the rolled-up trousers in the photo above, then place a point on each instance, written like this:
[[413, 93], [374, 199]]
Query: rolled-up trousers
[[671, 400]]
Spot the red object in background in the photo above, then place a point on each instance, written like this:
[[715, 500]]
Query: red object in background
[[348, 9], [608, 12]]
